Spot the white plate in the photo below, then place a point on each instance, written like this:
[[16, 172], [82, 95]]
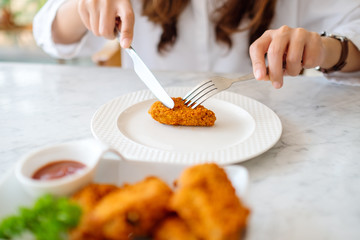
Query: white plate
[[244, 128], [13, 195]]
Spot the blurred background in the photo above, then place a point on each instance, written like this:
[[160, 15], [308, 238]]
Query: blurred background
[[18, 45]]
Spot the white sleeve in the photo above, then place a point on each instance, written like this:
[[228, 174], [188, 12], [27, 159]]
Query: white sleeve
[[336, 17], [42, 24], [349, 27]]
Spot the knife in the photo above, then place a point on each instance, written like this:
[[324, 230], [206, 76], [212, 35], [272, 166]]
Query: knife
[[147, 77]]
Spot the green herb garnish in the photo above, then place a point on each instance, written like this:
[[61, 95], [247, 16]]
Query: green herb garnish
[[49, 218]]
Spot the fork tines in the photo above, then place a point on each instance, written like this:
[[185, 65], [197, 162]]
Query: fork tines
[[200, 93]]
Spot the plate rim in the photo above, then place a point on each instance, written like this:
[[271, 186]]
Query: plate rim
[[173, 156]]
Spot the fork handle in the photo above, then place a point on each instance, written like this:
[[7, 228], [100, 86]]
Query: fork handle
[[244, 78], [251, 75]]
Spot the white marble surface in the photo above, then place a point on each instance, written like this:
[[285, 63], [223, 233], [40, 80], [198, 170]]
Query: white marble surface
[[306, 187]]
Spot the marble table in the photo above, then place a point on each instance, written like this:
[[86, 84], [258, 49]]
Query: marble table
[[306, 187]]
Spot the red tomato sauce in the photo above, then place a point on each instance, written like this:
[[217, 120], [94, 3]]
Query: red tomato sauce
[[57, 170]]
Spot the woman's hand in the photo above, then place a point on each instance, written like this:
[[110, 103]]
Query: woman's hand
[[288, 50], [99, 17], [75, 17]]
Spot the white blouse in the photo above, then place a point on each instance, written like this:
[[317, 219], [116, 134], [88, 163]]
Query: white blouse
[[196, 48]]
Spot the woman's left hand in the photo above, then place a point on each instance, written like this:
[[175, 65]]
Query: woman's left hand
[[288, 51]]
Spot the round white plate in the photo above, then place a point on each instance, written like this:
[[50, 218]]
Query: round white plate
[[244, 128]]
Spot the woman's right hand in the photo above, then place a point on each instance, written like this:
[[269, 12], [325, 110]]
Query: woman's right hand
[[99, 17]]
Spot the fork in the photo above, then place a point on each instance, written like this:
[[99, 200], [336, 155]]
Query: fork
[[209, 88]]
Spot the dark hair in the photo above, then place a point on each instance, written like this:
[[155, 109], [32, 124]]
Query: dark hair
[[227, 18]]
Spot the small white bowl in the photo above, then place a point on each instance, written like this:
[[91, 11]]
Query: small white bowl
[[87, 151]]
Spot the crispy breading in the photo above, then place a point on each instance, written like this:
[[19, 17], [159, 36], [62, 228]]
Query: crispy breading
[[207, 202], [132, 210], [204, 206], [173, 228], [181, 114], [87, 198]]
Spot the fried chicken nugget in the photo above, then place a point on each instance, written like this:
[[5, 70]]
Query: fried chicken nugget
[[173, 228], [207, 202], [132, 210], [182, 115], [87, 198]]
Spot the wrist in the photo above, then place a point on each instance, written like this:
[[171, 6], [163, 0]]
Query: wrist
[[336, 52]]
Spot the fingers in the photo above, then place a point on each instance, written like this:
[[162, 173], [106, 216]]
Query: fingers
[[276, 52], [99, 17], [84, 14], [127, 24], [94, 21], [294, 56], [273, 43], [288, 50], [106, 21], [257, 53]]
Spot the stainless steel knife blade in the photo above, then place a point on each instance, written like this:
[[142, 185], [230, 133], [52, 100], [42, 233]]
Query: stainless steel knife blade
[[147, 77]]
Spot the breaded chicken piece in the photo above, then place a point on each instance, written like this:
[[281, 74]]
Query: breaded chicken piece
[[91, 194], [207, 202], [173, 228], [132, 210], [181, 114], [87, 198]]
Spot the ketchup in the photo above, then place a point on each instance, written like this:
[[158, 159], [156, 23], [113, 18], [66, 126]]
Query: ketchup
[[57, 169]]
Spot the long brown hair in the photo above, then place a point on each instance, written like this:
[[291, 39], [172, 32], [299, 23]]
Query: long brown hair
[[227, 18]]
